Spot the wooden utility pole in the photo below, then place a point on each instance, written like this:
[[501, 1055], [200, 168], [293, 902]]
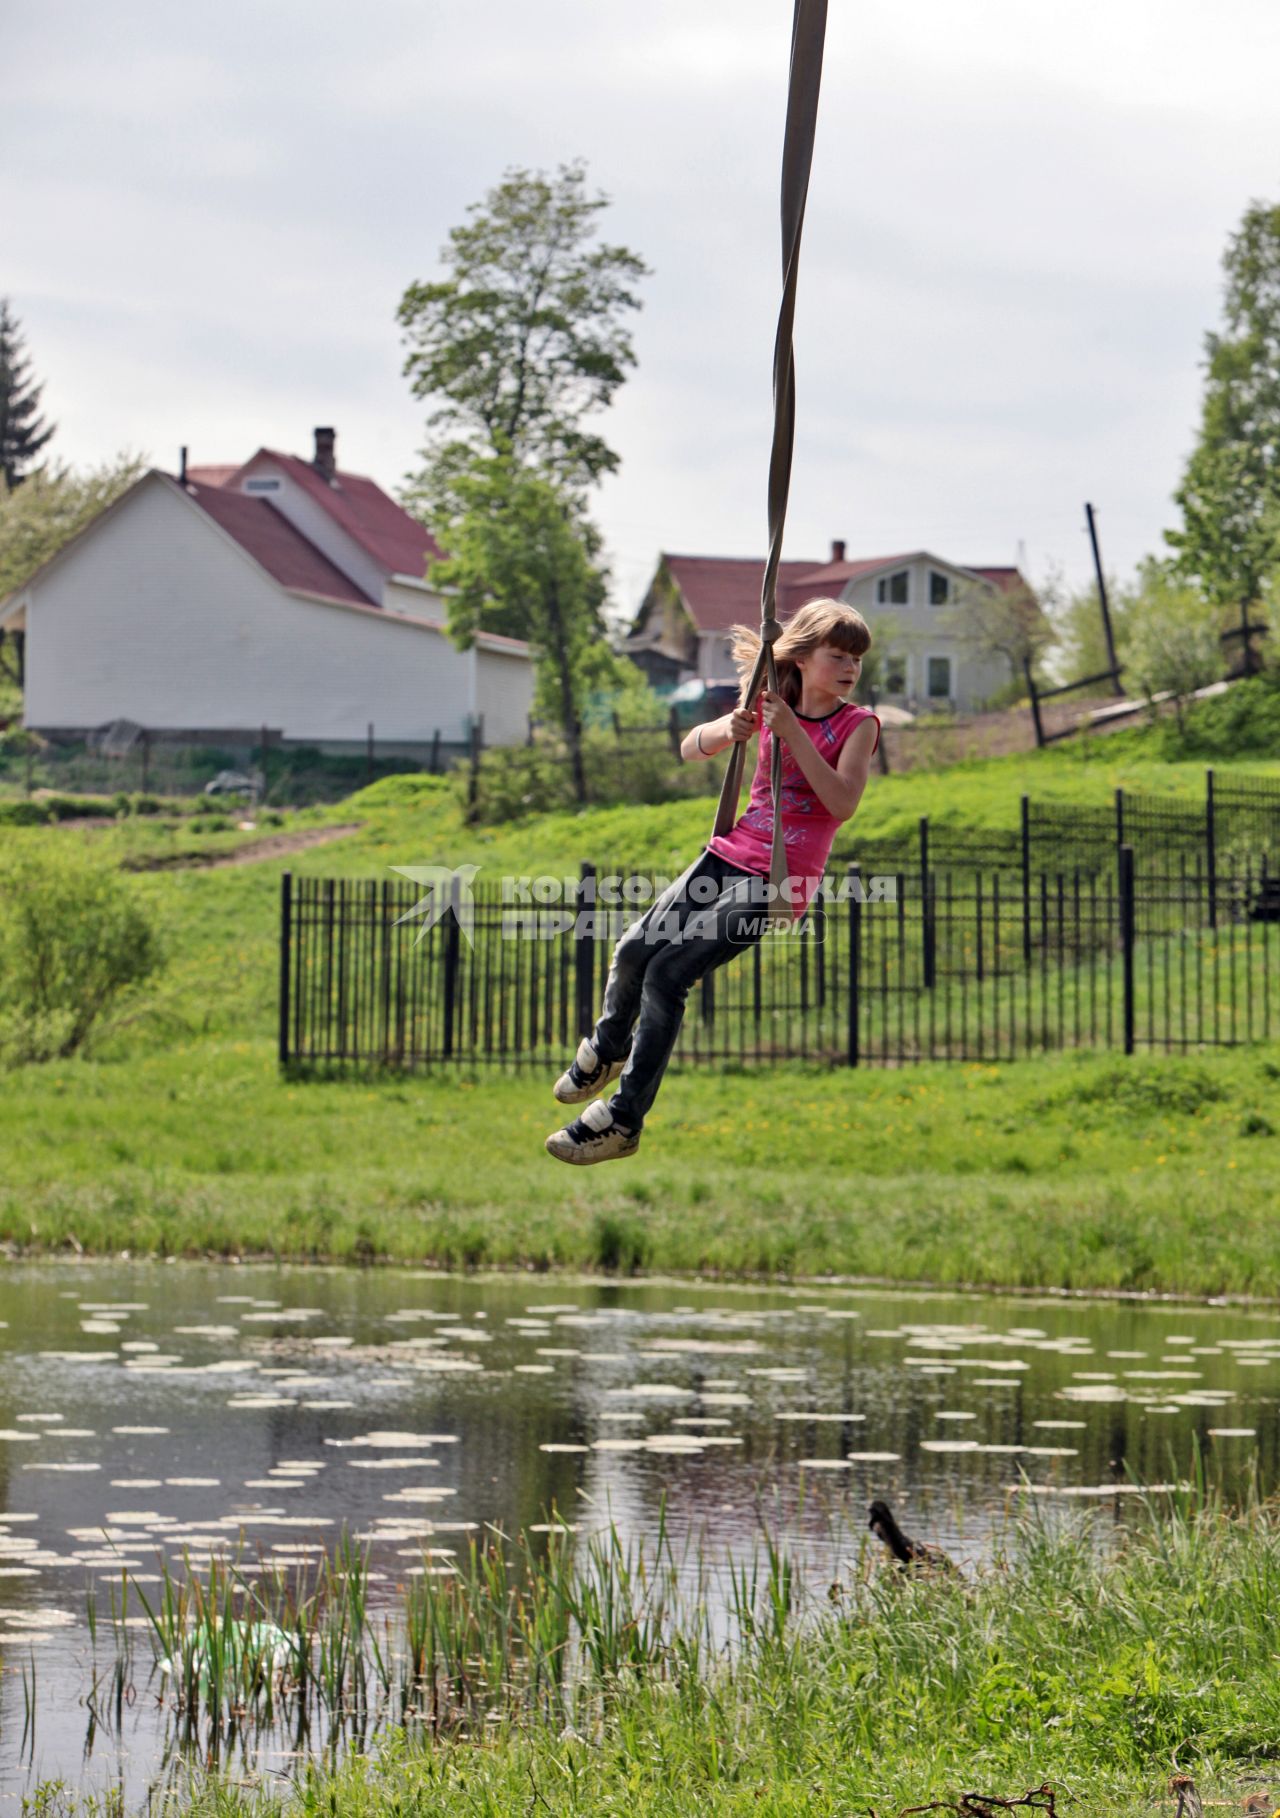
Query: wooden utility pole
[[1117, 690]]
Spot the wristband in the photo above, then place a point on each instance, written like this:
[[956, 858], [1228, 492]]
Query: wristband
[[697, 735]]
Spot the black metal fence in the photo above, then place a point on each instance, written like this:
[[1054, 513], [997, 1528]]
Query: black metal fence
[[1236, 822], [940, 962]]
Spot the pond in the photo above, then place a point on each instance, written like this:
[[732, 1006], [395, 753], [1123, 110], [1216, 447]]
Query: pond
[[149, 1411]]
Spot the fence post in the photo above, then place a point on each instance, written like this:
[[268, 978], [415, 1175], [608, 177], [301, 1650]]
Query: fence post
[[1211, 845], [673, 730], [1035, 703], [928, 932], [1026, 880], [266, 775], [286, 944], [854, 876], [473, 782], [1119, 819], [368, 754], [452, 958], [584, 951], [1127, 920], [435, 752]]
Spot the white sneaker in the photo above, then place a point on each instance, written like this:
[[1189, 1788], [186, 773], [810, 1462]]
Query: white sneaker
[[586, 1075], [593, 1137]]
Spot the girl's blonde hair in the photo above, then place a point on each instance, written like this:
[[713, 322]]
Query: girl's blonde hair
[[817, 622]]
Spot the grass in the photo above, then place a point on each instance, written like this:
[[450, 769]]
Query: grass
[[1090, 1172], [179, 1136], [595, 1681]]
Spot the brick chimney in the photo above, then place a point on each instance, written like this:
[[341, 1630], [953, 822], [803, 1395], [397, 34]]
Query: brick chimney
[[837, 543], [325, 460]]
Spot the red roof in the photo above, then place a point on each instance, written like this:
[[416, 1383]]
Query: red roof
[[720, 591], [370, 517], [210, 476], [273, 542], [1006, 579], [829, 579]]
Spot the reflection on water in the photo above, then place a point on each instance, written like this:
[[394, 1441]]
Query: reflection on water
[[150, 1411]]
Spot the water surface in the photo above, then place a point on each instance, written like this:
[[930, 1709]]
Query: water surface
[[150, 1411]]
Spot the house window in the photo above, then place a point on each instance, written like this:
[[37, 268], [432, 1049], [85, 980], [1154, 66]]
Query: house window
[[895, 675], [262, 485], [939, 678], [891, 589], [939, 588]]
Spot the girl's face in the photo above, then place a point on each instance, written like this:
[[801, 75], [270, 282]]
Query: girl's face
[[832, 670]]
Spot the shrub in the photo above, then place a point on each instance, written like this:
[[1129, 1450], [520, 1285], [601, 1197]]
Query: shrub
[[1150, 1087], [74, 941], [77, 807], [520, 780], [24, 814], [1243, 721]]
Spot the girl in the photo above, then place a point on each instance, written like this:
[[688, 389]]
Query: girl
[[720, 904]]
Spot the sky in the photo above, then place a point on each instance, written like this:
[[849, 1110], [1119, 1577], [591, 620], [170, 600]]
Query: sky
[[1011, 257]]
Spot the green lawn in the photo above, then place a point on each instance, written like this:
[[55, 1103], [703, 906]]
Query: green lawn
[[179, 1135], [1074, 1171]]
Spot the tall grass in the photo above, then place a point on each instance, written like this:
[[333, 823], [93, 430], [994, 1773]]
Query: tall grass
[[1094, 1653]]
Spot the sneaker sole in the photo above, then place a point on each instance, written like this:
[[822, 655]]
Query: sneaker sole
[[584, 1158], [566, 1093]]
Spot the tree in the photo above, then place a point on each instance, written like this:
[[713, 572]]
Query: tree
[[518, 546], [1229, 494], [37, 519], [1012, 623], [525, 338], [1172, 645], [1081, 639], [23, 432]]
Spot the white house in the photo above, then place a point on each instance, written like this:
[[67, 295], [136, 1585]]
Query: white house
[[283, 594], [913, 603]]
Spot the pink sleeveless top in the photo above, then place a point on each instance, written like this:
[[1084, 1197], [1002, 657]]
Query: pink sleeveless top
[[808, 828]]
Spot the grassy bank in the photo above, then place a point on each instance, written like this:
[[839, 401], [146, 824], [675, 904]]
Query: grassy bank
[[179, 1136], [595, 1685], [1088, 1172]]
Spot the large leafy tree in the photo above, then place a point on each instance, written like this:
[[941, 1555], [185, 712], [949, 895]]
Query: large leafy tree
[[521, 343], [1230, 494], [518, 549], [525, 338], [23, 432]]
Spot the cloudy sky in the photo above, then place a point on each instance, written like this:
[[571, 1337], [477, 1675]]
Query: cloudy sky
[[1011, 257]]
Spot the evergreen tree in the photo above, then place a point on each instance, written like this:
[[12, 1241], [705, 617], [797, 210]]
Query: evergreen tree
[[23, 432], [1230, 495]]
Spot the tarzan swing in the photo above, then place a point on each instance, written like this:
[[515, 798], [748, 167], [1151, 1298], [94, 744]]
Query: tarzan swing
[[808, 35]]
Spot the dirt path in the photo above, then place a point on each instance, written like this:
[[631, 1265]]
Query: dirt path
[[276, 845]]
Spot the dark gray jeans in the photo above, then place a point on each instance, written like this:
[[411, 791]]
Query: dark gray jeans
[[710, 913]]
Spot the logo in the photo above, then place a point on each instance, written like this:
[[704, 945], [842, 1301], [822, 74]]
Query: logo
[[446, 889]]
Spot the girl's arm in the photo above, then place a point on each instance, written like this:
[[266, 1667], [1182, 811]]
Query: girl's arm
[[839, 789], [715, 736]]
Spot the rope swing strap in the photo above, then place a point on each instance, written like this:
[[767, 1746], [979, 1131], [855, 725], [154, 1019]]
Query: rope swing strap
[[808, 34]]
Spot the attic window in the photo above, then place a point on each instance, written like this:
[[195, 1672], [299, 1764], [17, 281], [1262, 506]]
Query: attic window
[[892, 589], [939, 588], [262, 485]]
